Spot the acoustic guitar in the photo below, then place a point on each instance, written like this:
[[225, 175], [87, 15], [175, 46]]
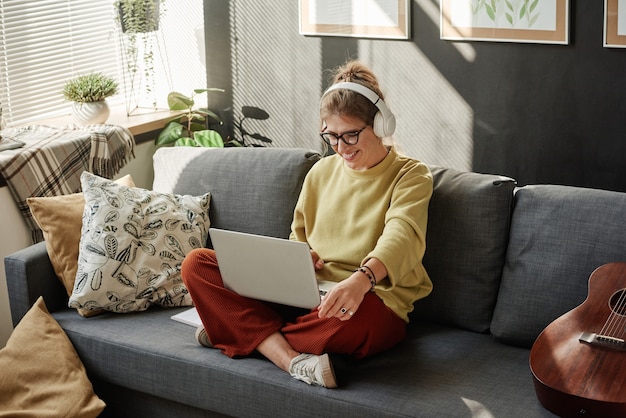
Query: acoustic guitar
[[578, 362]]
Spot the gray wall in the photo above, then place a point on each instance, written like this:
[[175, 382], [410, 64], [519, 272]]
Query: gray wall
[[538, 113]]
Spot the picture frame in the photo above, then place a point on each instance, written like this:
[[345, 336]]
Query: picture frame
[[383, 19], [524, 21], [614, 24]]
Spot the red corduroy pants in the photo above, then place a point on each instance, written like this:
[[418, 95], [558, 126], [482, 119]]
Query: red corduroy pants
[[237, 325]]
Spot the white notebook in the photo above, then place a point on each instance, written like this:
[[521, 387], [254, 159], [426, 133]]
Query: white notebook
[[189, 317]]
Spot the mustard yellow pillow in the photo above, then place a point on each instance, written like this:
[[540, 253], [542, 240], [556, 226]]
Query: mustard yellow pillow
[[60, 219], [42, 376]]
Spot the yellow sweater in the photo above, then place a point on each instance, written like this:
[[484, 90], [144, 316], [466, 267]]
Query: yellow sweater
[[351, 216]]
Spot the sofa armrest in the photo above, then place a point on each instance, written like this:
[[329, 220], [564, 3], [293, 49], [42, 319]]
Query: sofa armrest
[[30, 275]]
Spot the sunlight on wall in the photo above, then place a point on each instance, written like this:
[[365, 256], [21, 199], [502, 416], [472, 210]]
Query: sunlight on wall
[[277, 69], [433, 12], [184, 28], [434, 123], [180, 63]]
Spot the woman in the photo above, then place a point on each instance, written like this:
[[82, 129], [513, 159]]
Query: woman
[[363, 212]]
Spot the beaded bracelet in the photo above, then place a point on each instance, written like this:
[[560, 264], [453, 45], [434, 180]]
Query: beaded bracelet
[[369, 276], [371, 271]]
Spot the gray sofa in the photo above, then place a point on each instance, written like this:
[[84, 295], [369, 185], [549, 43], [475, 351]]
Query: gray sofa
[[505, 262]]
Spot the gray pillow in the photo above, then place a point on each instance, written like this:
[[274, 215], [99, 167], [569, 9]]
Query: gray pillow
[[252, 190], [468, 224], [559, 236]]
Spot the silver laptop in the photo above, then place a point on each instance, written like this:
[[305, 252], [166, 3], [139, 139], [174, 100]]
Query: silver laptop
[[266, 268]]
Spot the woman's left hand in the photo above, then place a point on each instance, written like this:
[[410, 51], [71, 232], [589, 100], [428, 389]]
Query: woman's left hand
[[343, 300]]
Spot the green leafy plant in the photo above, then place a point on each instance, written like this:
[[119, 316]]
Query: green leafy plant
[[138, 16], [515, 11], [93, 87], [190, 128]]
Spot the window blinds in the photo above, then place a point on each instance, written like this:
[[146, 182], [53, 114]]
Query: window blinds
[[43, 43]]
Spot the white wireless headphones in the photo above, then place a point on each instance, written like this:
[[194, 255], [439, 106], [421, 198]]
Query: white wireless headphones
[[384, 120]]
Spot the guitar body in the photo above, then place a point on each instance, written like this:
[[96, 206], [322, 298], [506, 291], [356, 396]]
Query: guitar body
[[582, 379]]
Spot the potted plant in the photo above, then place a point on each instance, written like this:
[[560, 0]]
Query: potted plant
[[139, 20], [191, 127], [88, 93], [138, 16]]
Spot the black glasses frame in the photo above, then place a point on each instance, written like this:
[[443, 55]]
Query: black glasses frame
[[333, 139]]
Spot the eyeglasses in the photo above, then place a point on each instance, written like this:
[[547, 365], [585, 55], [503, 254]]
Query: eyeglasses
[[349, 138]]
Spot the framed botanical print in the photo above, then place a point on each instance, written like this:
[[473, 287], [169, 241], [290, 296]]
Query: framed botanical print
[[531, 21], [615, 23], [386, 19]]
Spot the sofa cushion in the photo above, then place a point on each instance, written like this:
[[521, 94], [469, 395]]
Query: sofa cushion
[[42, 376], [132, 245], [437, 371], [253, 190], [60, 219], [559, 236], [468, 223]]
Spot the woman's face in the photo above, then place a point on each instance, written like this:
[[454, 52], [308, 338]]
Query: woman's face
[[366, 153]]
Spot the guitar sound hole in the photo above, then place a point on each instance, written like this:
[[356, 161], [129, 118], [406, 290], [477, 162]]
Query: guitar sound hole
[[618, 302]]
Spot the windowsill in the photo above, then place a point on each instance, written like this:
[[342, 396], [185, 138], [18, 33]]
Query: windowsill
[[143, 121], [139, 123], [144, 124]]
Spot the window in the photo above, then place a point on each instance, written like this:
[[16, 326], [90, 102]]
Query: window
[[45, 42]]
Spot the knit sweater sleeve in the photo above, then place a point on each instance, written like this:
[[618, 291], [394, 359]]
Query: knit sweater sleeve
[[402, 244]]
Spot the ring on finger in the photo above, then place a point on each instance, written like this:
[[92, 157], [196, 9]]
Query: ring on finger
[[343, 310], [350, 313]]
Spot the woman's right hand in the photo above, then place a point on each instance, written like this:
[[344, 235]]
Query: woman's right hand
[[318, 263]]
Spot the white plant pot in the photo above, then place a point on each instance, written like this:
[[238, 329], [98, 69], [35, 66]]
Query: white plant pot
[[90, 113]]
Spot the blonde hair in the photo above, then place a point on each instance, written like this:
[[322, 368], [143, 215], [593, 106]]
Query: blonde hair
[[348, 102]]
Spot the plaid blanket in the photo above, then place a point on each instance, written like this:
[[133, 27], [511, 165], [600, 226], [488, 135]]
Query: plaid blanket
[[52, 160]]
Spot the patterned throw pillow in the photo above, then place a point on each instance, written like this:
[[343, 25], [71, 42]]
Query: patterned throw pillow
[[133, 242], [60, 220]]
